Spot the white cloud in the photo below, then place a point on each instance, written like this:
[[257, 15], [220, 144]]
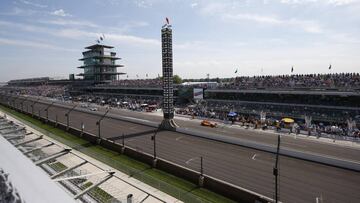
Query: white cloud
[[124, 39], [129, 39], [80, 34], [16, 11], [128, 26], [342, 2], [307, 26], [143, 3], [60, 12], [193, 5], [344, 38], [326, 2], [64, 22], [253, 17], [33, 44], [33, 4]]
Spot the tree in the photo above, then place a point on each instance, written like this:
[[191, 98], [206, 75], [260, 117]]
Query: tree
[[177, 79]]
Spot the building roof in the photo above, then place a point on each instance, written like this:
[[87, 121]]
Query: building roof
[[105, 73], [98, 45], [103, 56], [100, 65]]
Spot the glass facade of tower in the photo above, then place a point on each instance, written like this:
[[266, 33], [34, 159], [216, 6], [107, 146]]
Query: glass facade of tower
[[100, 64]]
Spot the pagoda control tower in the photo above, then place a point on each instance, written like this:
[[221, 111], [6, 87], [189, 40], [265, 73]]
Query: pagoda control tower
[[168, 122], [99, 64]]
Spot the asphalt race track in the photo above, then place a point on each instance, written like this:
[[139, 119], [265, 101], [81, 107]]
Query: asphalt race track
[[300, 181]]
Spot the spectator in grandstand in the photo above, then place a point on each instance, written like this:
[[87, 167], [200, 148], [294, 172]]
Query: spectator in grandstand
[[156, 82], [337, 80]]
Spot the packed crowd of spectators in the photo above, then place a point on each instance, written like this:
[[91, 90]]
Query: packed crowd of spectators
[[249, 117], [156, 82], [277, 110], [337, 80], [40, 90], [125, 102]]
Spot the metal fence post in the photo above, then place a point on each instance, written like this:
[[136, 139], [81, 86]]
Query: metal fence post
[[67, 115], [98, 123], [123, 143], [47, 111]]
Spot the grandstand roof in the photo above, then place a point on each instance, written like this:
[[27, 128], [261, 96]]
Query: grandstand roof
[[31, 183]]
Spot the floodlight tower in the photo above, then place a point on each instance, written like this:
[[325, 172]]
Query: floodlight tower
[[168, 122]]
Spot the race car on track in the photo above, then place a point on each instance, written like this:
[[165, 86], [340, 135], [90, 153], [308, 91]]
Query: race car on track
[[208, 123]]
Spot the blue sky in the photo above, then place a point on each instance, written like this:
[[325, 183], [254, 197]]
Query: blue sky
[[257, 37]]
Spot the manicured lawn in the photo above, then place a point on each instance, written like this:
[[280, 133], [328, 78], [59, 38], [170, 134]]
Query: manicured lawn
[[175, 186]]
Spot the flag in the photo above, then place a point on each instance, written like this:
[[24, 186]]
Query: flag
[[292, 68], [236, 70], [167, 20], [330, 67]]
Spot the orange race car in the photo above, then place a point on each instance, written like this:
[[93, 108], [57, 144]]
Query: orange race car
[[208, 123]]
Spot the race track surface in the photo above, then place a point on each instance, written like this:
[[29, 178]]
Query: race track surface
[[300, 181]]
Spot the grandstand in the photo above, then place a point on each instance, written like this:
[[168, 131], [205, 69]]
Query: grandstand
[[326, 97]]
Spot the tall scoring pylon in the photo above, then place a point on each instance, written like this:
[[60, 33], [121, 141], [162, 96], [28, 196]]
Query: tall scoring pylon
[[167, 70]]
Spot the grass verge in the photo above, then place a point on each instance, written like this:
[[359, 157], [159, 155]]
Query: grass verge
[[175, 186]]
